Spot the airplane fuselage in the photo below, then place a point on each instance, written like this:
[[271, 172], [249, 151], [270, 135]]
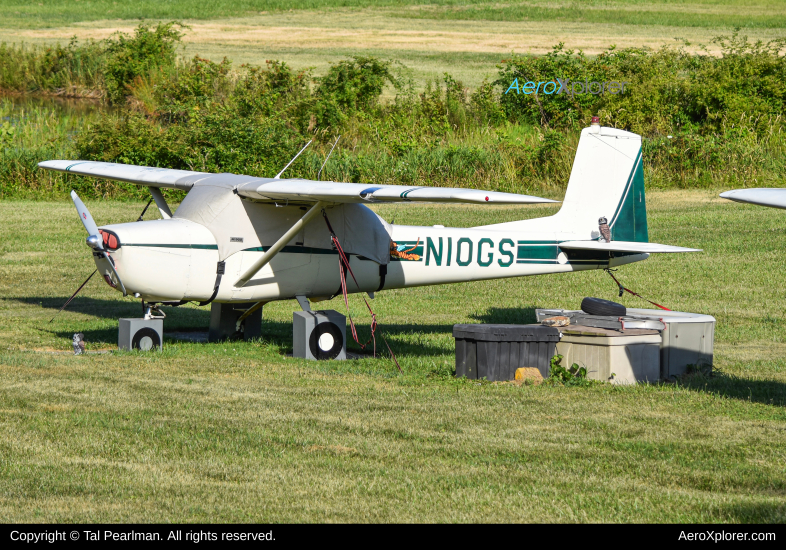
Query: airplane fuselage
[[175, 259]]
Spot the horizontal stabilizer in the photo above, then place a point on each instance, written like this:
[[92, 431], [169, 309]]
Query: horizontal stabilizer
[[624, 246], [775, 198]]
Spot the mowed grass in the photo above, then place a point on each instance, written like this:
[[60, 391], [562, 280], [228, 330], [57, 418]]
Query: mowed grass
[[679, 13], [241, 432]]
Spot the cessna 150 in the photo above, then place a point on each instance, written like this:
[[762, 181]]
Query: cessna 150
[[238, 238]]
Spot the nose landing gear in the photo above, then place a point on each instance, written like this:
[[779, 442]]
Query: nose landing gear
[[152, 311]]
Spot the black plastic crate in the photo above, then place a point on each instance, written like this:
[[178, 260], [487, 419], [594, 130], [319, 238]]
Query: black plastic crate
[[494, 352]]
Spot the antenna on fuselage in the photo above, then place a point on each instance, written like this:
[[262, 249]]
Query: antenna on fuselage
[[327, 157], [293, 160]]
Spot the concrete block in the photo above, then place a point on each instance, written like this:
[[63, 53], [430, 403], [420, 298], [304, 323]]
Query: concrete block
[[319, 335], [143, 334]]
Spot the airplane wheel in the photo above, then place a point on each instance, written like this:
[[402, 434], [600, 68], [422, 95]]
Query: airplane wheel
[[326, 341], [146, 339], [597, 306]]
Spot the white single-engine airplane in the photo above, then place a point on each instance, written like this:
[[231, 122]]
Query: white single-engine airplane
[[240, 238]]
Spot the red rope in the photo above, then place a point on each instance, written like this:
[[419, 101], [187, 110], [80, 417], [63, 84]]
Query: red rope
[[345, 262], [629, 291]]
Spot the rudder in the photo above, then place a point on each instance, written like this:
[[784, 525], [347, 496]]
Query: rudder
[[607, 180]]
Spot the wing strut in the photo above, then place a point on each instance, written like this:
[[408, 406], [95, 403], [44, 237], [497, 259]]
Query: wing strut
[[163, 207], [280, 243]]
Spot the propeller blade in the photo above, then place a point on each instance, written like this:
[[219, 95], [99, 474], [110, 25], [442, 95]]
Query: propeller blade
[[104, 262], [84, 215], [73, 295]]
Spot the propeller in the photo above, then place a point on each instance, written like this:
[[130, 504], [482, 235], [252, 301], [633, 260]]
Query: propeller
[[104, 263]]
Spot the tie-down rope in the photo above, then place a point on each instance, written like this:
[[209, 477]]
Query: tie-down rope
[[342, 269]]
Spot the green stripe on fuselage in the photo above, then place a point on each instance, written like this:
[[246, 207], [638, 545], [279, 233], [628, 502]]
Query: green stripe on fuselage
[[536, 250], [192, 246], [527, 252]]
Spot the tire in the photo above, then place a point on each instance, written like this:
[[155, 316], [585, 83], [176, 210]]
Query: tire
[[146, 339], [597, 306], [334, 341]]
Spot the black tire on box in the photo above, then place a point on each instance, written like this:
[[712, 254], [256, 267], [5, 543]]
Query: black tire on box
[[598, 306], [338, 341], [141, 333]]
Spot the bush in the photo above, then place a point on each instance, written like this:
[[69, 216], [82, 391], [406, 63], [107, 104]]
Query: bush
[[131, 57], [350, 88]]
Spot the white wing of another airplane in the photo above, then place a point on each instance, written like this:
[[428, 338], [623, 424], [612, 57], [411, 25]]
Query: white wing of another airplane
[[775, 198], [278, 190]]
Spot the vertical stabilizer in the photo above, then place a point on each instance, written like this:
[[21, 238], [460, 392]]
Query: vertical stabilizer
[[607, 180]]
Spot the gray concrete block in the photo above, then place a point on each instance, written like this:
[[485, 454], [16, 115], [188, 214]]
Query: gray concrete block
[[319, 335], [143, 334]]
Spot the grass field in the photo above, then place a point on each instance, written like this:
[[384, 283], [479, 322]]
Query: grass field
[[241, 432], [465, 38]]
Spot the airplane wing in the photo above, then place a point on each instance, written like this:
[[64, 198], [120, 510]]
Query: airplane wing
[[141, 175], [625, 246], [775, 198], [329, 191], [279, 190]]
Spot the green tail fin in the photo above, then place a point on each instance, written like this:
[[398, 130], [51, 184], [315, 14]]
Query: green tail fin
[[630, 220]]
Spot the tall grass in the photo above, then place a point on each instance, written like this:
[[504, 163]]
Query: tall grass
[[75, 70], [32, 132]]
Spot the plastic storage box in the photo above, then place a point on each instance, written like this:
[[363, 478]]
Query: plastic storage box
[[686, 338], [619, 357], [494, 352], [689, 339]]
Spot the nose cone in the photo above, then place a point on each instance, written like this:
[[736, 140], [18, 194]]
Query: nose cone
[[94, 242]]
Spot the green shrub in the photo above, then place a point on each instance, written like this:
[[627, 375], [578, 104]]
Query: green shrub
[[571, 376], [131, 57], [666, 90], [349, 88]]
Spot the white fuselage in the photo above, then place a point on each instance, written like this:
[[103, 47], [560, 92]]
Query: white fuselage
[[175, 259]]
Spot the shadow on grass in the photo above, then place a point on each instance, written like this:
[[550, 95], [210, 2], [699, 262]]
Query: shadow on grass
[[756, 512], [190, 320], [507, 316], [183, 318], [769, 392]]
